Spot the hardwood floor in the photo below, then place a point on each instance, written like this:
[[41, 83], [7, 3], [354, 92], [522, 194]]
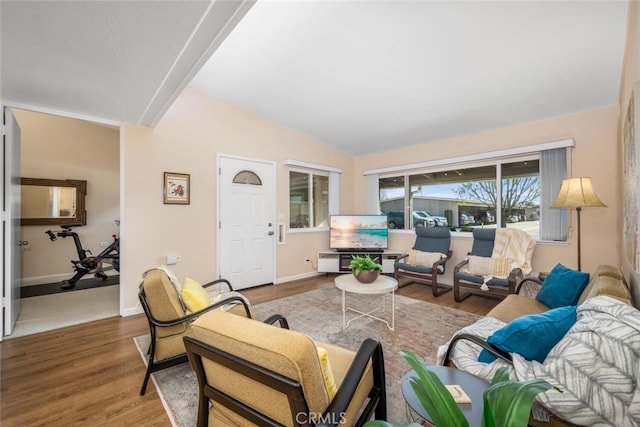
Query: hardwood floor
[[91, 374]]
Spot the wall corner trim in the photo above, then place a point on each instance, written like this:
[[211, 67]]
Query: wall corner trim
[[290, 162], [527, 149]]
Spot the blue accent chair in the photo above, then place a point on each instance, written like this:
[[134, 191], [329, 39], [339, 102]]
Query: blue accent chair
[[428, 239], [483, 240]]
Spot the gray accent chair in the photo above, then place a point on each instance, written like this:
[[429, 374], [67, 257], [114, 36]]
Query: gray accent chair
[[465, 284], [428, 239]]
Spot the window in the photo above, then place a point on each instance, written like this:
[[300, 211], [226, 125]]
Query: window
[[308, 199], [468, 197], [393, 201]]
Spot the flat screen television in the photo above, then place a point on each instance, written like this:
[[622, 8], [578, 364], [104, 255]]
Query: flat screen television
[[359, 233]]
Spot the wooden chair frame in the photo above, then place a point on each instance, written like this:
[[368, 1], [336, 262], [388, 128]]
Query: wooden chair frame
[[425, 278], [483, 242], [499, 292], [428, 239], [152, 364]]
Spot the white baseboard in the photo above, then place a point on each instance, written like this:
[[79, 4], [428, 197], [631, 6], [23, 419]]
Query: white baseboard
[[53, 278], [297, 277], [39, 280], [131, 311]]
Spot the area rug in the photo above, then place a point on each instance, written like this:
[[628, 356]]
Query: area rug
[[419, 327]]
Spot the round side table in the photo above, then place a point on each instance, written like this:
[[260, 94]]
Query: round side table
[[382, 285], [473, 386]]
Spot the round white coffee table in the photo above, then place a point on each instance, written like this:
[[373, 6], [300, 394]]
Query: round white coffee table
[[382, 285]]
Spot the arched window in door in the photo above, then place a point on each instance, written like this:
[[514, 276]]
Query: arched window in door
[[247, 177]]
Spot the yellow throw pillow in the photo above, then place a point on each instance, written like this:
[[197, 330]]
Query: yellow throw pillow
[[194, 296], [327, 373]]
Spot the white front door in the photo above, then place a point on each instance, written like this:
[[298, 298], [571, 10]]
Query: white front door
[[246, 244], [10, 221]]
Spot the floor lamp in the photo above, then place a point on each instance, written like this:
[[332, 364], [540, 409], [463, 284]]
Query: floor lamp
[[577, 193]]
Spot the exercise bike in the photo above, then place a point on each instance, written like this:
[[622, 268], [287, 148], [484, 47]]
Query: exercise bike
[[87, 264]]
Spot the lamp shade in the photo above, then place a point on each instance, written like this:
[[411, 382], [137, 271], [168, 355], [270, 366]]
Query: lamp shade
[[577, 193]]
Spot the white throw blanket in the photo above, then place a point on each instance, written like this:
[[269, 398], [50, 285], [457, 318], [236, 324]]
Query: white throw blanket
[[596, 364], [516, 245]]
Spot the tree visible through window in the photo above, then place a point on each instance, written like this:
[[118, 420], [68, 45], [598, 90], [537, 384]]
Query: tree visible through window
[[465, 198]]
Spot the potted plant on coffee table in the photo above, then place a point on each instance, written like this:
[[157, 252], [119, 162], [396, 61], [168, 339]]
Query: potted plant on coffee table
[[365, 269]]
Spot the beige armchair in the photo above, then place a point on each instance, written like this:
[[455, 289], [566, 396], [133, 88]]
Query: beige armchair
[[254, 373], [169, 322]]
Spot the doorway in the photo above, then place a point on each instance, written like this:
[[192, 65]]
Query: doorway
[[246, 205], [56, 147]]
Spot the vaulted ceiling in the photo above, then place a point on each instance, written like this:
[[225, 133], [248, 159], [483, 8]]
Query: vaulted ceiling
[[362, 76]]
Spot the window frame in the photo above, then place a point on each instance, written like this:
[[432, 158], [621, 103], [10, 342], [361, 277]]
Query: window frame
[[310, 182], [444, 166]]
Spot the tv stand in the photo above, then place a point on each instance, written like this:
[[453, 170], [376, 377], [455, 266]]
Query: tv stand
[[332, 261], [360, 251]]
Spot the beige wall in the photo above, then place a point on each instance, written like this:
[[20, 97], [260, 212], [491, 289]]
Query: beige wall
[[187, 140], [595, 134], [630, 77], [55, 147], [197, 128]]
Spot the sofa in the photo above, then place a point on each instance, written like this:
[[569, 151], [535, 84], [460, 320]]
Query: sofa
[[595, 361]]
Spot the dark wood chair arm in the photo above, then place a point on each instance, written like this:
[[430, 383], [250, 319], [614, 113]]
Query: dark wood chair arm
[[282, 321], [460, 265], [396, 269], [193, 316], [399, 258], [530, 286], [442, 262], [515, 276], [370, 350], [479, 341], [218, 281]]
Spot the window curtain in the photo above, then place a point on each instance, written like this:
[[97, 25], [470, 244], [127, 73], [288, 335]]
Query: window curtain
[[373, 196], [553, 169], [334, 193]]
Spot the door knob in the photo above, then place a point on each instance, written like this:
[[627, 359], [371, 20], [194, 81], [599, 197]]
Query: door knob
[[271, 233]]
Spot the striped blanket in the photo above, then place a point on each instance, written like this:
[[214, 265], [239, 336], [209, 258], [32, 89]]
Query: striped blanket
[[596, 364], [516, 245]]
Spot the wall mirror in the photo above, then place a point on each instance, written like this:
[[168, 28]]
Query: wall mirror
[[52, 201]]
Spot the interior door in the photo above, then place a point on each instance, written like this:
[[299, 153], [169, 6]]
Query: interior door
[[11, 221], [246, 244]]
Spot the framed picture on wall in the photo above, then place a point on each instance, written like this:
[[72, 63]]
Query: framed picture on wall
[[176, 188]]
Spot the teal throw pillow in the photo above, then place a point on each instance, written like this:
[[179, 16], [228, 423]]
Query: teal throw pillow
[[532, 336], [562, 287]]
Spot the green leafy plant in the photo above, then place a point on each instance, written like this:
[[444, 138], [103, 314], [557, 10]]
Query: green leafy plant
[[506, 402], [363, 263]]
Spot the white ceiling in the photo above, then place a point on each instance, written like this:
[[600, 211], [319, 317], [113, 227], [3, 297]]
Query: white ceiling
[[360, 75], [120, 61]]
